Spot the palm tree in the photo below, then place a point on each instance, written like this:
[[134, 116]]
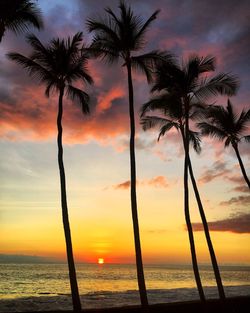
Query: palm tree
[[226, 124], [18, 15], [184, 91], [173, 111], [58, 65], [117, 37]]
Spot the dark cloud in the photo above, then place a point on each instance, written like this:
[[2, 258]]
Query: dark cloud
[[186, 26], [239, 223], [240, 200], [218, 169]]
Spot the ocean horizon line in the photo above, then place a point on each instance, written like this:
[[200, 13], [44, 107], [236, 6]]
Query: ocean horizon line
[[37, 259]]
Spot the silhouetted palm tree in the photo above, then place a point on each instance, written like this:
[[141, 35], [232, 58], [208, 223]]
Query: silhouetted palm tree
[[58, 65], [117, 37], [226, 124], [18, 15], [185, 90], [172, 116]]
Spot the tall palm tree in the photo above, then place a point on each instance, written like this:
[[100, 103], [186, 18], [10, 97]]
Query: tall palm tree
[[184, 90], [226, 124], [117, 37], [58, 65], [18, 15], [172, 116]]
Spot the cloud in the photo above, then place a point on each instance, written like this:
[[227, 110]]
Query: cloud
[[241, 200], [239, 223], [157, 182], [32, 117], [183, 27], [156, 231], [220, 170], [217, 170], [241, 188], [105, 99], [124, 185]]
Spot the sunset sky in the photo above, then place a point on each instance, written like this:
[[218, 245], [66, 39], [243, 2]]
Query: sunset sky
[[96, 146]]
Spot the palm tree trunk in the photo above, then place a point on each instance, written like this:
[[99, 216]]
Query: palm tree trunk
[[206, 229], [208, 238], [2, 30], [241, 165], [186, 208], [139, 264], [71, 265]]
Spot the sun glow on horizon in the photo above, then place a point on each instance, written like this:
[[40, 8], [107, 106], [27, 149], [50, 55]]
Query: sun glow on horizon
[[100, 261]]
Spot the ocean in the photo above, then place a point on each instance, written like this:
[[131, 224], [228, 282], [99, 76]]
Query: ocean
[[30, 287]]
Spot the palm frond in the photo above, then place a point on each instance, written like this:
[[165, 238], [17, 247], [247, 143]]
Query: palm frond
[[140, 35], [228, 141], [19, 15], [140, 64], [169, 104], [112, 14], [103, 29], [197, 65], [73, 47], [104, 50], [149, 122], [243, 121], [78, 71], [169, 76], [40, 53], [197, 110], [51, 86], [194, 138], [247, 138], [156, 103], [34, 69], [165, 128], [80, 96], [211, 130], [221, 84], [232, 116], [147, 62]]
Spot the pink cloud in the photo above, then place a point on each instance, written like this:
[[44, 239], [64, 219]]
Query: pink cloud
[[105, 98], [157, 182], [124, 185], [32, 117], [241, 188]]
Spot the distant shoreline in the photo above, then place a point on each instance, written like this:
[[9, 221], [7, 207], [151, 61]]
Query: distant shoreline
[[30, 259]]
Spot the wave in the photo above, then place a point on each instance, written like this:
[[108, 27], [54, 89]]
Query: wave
[[105, 299]]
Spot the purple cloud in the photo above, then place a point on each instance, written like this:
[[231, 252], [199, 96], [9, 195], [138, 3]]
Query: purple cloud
[[239, 223]]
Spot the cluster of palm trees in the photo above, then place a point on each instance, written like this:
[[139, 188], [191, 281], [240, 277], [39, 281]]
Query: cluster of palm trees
[[180, 95]]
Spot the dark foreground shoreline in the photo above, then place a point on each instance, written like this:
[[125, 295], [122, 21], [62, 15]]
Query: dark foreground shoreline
[[231, 305]]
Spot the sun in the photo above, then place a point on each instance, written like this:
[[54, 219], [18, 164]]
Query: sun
[[100, 260]]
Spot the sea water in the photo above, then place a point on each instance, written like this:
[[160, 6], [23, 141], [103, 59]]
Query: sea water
[[30, 287]]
